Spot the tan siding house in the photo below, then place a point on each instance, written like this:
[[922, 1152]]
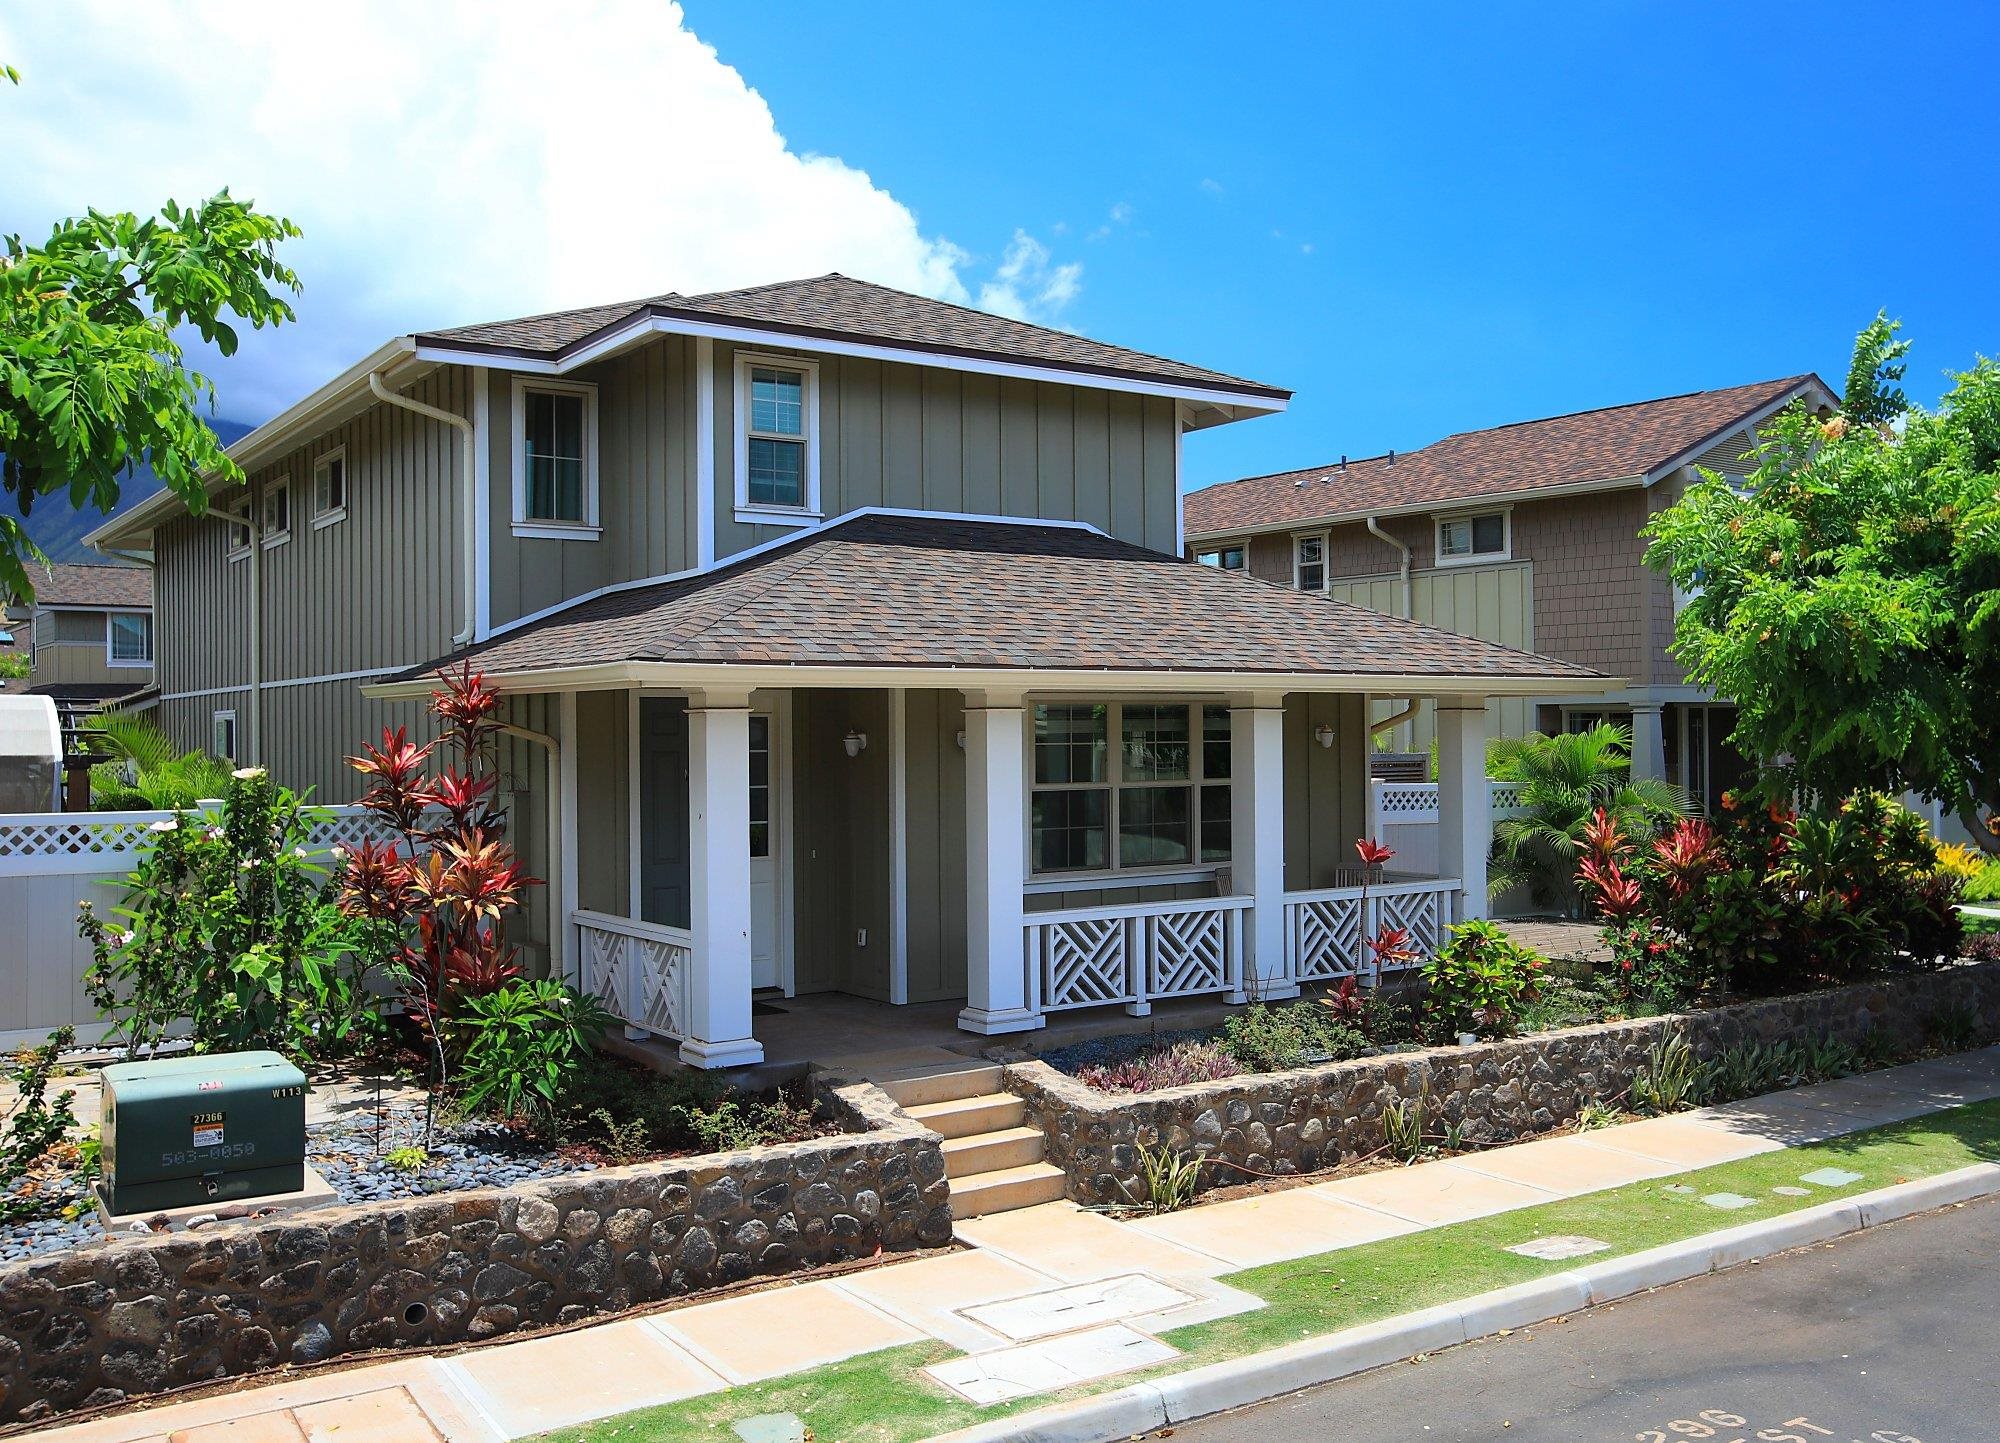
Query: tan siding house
[[89, 633], [848, 647]]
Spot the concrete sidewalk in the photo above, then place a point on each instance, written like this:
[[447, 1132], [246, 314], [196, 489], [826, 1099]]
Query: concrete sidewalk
[[1042, 1299]]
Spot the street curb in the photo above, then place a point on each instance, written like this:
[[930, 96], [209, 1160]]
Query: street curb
[[1140, 1407]]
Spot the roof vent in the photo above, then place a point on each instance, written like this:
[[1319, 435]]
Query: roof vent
[[1392, 458], [1302, 481]]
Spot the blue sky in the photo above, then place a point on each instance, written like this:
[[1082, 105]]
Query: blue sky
[[1512, 210], [1420, 218]]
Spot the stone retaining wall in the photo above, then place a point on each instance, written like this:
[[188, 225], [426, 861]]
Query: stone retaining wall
[[1313, 1117], [135, 1317]]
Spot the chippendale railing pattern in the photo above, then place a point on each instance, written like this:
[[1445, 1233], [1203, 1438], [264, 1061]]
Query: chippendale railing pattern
[[1134, 953], [1326, 931], [639, 970], [48, 843]]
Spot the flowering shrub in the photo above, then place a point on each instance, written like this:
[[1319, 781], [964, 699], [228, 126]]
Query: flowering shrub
[[1479, 980], [1174, 1066], [521, 1042], [228, 923]]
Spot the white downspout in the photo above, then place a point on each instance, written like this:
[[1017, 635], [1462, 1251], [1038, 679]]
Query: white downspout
[[255, 530], [469, 550], [1409, 614]]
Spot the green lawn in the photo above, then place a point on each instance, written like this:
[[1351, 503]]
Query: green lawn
[[886, 1398]]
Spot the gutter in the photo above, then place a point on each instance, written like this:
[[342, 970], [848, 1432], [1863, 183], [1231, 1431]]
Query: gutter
[[468, 496]]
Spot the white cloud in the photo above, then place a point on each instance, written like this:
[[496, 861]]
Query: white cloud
[[1030, 285], [453, 162], [1121, 212], [1211, 186]]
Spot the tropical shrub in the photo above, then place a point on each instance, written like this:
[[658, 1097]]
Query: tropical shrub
[[1479, 980], [228, 923], [145, 770], [1172, 1066], [1564, 781], [521, 1043]]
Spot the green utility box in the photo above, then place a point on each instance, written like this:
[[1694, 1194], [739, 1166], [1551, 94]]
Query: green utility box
[[186, 1131]]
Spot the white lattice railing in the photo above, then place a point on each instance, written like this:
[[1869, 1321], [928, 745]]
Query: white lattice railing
[[1134, 953], [639, 970], [1327, 932], [1402, 802], [39, 844]]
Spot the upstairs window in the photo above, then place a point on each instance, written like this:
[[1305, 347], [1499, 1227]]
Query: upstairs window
[[1309, 563], [777, 458], [1482, 537], [330, 487], [130, 638], [277, 512], [555, 459], [1226, 558]]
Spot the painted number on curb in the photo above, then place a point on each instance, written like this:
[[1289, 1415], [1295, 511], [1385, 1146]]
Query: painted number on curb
[[1723, 1426]]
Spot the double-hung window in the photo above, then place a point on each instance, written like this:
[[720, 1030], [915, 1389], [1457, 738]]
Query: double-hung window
[[555, 459], [1128, 787], [777, 450], [129, 638], [1309, 563], [1481, 537]]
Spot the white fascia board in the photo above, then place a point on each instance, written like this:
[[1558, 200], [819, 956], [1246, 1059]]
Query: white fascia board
[[761, 548], [1748, 422], [1242, 402], [1095, 681], [1443, 506]]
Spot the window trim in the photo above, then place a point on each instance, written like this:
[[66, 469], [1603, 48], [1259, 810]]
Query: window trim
[[328, 516], [1474, 558], [215, 719], [111, 657], [277, 485], [1113, 874], [541, 528], [759, 513], [1217, 550], [1299, 539]]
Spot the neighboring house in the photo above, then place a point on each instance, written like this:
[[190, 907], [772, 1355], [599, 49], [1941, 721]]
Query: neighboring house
[[1527, 535], [848, 648], [89, 631]]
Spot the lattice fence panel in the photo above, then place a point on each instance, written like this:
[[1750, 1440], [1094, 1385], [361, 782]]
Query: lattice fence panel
[[1084, 962], [1326, 937], [1189, 953]]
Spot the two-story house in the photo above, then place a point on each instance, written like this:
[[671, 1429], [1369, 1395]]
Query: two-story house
[[848, 648], [89, 632], [1527, 535]]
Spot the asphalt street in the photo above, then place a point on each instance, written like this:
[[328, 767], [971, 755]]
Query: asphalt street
[[1890, 1336]]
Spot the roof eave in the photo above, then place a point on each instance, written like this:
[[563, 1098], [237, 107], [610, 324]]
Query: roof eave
[[1422, 508]]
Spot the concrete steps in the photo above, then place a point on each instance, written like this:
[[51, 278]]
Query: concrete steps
[[1003, 1191], [992, 1158], [965, 1116], [992, 1151]]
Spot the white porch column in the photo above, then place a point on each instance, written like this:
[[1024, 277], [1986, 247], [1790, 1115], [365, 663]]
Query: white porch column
[[1649, 741], [718, 991], [1257, 838], [998, 995], [1465, 801]]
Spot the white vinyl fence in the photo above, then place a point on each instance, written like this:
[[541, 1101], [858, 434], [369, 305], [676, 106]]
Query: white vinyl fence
[[52, 861], [1406, 818]]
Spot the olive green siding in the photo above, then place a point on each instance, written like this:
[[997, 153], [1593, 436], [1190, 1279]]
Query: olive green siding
[[934, 844], [603, 802], [841, 856], [1326, 789], [923, 438]]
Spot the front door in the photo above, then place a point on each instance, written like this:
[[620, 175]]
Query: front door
[[765, 818]]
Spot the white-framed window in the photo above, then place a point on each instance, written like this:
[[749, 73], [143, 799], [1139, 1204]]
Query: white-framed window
[[330, 488], [222, 735], [1474, 536], [277, 512], [1309, 562], [128, 638], [777, 440], [555, 459], [239, 531], [1233, 556], [1127, 787]]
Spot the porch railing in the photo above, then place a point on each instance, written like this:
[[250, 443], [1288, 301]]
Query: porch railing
[[639, 970], [1326, 931], [1134, 952]]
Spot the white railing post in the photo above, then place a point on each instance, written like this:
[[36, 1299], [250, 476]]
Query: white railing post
[[1257, 837], [998, 990]]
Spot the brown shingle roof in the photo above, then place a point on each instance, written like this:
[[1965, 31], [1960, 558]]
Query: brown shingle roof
[[931, 592], [840, 307], [1612, 443], [110, 586]]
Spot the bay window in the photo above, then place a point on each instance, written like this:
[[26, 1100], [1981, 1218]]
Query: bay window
[[1128, 787]]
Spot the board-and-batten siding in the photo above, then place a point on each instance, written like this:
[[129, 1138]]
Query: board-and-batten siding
[[925, 438], [646, 503]]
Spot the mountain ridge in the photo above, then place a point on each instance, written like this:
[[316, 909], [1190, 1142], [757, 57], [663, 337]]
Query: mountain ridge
[[59, 528]]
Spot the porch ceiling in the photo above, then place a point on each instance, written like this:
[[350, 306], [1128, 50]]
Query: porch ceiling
[[897, 599]]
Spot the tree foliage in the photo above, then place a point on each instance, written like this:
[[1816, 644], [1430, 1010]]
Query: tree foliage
[[1848, 597], [93, 379]]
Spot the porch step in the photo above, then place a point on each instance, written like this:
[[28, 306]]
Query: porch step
[[1005, 1190], [965, 1116], [949, 1083], [1010, 1147]]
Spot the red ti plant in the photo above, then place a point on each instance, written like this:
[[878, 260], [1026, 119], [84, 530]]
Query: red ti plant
[[439, 893], [1373, 855]]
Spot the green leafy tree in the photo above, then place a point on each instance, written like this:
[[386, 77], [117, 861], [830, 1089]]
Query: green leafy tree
[[93, 379], [1848, 598], [1564, 781]]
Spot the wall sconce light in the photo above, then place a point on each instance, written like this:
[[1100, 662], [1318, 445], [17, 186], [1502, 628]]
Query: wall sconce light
[[855, 742], [961, 741], [1323, 734]]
